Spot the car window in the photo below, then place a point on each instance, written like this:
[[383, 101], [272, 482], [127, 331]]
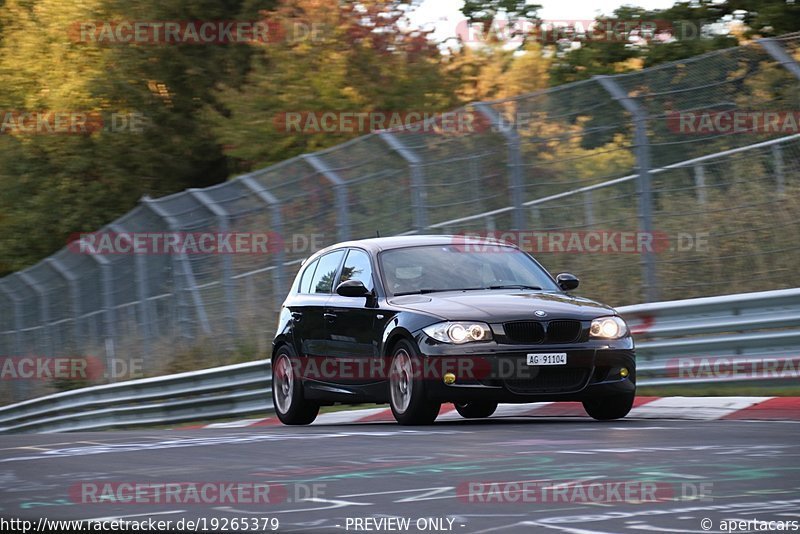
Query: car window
[[305, 280], [357, 267], [326, 271], [452, 267]]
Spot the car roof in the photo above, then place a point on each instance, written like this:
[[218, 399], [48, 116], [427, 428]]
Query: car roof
[[378, 244]]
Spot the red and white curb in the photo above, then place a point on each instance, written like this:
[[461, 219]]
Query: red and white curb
[[694, 408]]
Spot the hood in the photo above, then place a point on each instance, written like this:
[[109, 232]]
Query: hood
[[500, 306]]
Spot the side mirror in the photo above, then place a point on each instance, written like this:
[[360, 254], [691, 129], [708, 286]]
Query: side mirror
[[567, 281], [352, 288]]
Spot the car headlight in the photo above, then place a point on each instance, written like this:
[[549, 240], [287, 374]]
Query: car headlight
[[459, 332], [608, 328]]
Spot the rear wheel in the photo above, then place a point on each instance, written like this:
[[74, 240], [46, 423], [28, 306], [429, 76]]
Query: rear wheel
[[608, 408], [287, 391], [476, 409], [407, 388]]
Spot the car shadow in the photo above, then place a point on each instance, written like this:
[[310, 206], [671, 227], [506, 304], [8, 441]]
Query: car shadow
[[491, 421]]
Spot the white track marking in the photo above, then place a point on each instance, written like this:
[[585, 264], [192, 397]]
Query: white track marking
[[702, 408], [349, 416], [234, 424], [516, 410]]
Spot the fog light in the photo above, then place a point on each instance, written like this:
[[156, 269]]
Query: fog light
[[449, 378], [623, 372]]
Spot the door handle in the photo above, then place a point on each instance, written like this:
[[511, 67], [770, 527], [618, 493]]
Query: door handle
[[330, 317]]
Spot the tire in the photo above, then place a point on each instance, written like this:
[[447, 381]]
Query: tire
[[407, 389], [609, 408], [476, 409], [287, 391]]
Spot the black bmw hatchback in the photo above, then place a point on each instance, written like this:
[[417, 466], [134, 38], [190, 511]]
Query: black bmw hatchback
[[424, 320]]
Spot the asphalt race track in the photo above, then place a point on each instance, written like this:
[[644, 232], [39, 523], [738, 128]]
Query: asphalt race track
[[334, 474]]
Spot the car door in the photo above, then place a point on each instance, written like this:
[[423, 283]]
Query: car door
[[351, 324], [309, 307]]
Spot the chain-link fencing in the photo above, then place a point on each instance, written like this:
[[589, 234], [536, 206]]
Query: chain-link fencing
[[694, 162]]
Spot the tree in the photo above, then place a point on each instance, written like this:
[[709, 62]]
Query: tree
[[493, 72], [55, 185], [767, 18], [345, 58], [487, 11]]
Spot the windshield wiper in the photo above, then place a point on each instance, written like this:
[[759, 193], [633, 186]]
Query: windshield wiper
[[430, 290], [514, 286]]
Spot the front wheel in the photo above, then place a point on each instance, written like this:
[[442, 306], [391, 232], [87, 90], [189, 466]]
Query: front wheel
[[608, 408], [407, 388], [475, 410], [287, 391]]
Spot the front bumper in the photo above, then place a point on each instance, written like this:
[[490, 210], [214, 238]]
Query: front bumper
[[499, 372]]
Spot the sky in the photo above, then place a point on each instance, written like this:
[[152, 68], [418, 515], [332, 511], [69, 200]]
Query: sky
[[444, 15]]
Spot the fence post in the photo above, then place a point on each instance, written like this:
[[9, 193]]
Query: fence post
[[44, 310], [227, 263], [106, 289], [588, 209], [279, 273], [71, 280], [17, 317], [417, 177], [645, 192], [20, 389], [182, 270], [140, 279], [515, 180], [779, 54], [110, 316], [340, 189], [475, 177], [780, 178], [700, 183]]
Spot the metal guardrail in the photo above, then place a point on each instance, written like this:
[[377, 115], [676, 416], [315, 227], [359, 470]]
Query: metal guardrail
[[760, 330], [232, 390], [702, 340]]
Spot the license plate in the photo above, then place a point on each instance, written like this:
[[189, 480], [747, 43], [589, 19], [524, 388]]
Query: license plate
[[553, 358]]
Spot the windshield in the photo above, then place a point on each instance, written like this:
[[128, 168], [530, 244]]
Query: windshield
[[428, 269]]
